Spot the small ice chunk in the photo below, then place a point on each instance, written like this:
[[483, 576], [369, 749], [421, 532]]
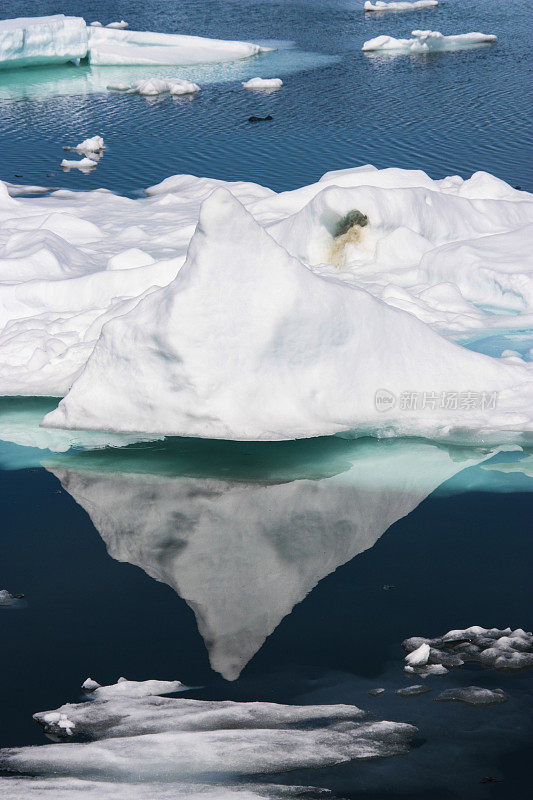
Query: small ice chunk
[[95, 24], [377, 692], [93, 145], [118, 87], [500, 649], [379, 5], [119, 26], [413, 691], [7, 599], [474, 696], [419, 657], [57, 723], [126, 688], [84, 164], [89, 685], [178, 87], [429, 669], [263, 83]]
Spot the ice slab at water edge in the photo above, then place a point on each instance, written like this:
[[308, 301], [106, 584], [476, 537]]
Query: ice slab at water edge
[[428, 42], [381, 6], [31, 41]]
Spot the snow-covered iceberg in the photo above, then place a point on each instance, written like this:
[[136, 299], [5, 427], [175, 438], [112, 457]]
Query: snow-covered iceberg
[[243, 552], [451, 253], [248, 343], [428, 42], [416, 5], [31, 41]]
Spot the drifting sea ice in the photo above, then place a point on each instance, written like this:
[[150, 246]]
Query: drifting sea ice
[[126, 688], [498, 649], [263, 83], [151, 87], [474, 696], [428, 42], [417, 5], [83, 164], [173, 741], [118, 25], [93, 145]]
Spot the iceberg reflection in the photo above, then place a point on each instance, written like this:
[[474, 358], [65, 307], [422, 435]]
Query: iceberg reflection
[[243, 532]]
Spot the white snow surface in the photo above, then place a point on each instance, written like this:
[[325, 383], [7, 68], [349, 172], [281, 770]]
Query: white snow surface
[[379, 5], [428, 42], [32, 41], [263, 83], [452, 253]]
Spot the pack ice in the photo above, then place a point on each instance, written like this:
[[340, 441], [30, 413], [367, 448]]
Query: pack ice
[[428, 42], [291, 313], [161, 743]]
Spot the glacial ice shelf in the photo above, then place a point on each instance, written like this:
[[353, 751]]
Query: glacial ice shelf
[[427, 42], [32, 41], [319, 299]]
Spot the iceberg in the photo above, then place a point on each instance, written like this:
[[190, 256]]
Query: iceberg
[[399, 6], [114, 47], [248, 343], [427, 42], [31, 41]]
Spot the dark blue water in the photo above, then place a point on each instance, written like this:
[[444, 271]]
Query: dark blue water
[[453, 113]]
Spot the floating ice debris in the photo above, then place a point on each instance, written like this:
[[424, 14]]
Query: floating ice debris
[[193, 382], [118, 25], [145, 740], [428, 669], [8, 600], [474, 696], [32, 41], [263, 83], [93, 145], [376, 692], [151, 87], [57, 723], [126, 688], [95, 25], [418, 657], [84, 164], [379, 5], [413, 691], [428, 42], [499, 649]]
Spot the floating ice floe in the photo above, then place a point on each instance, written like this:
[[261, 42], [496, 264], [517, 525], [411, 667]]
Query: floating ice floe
[[95, 24], [32, 41], [498, 649], [118, 25], [263, 83], [474, 696], [428, 42], [151, 87], [417, 5], [8, 600], [413, 691], [83, 164], [301, 344], [109, 46], [94, 145], [450, 252], [126, 688], [158, 744]]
